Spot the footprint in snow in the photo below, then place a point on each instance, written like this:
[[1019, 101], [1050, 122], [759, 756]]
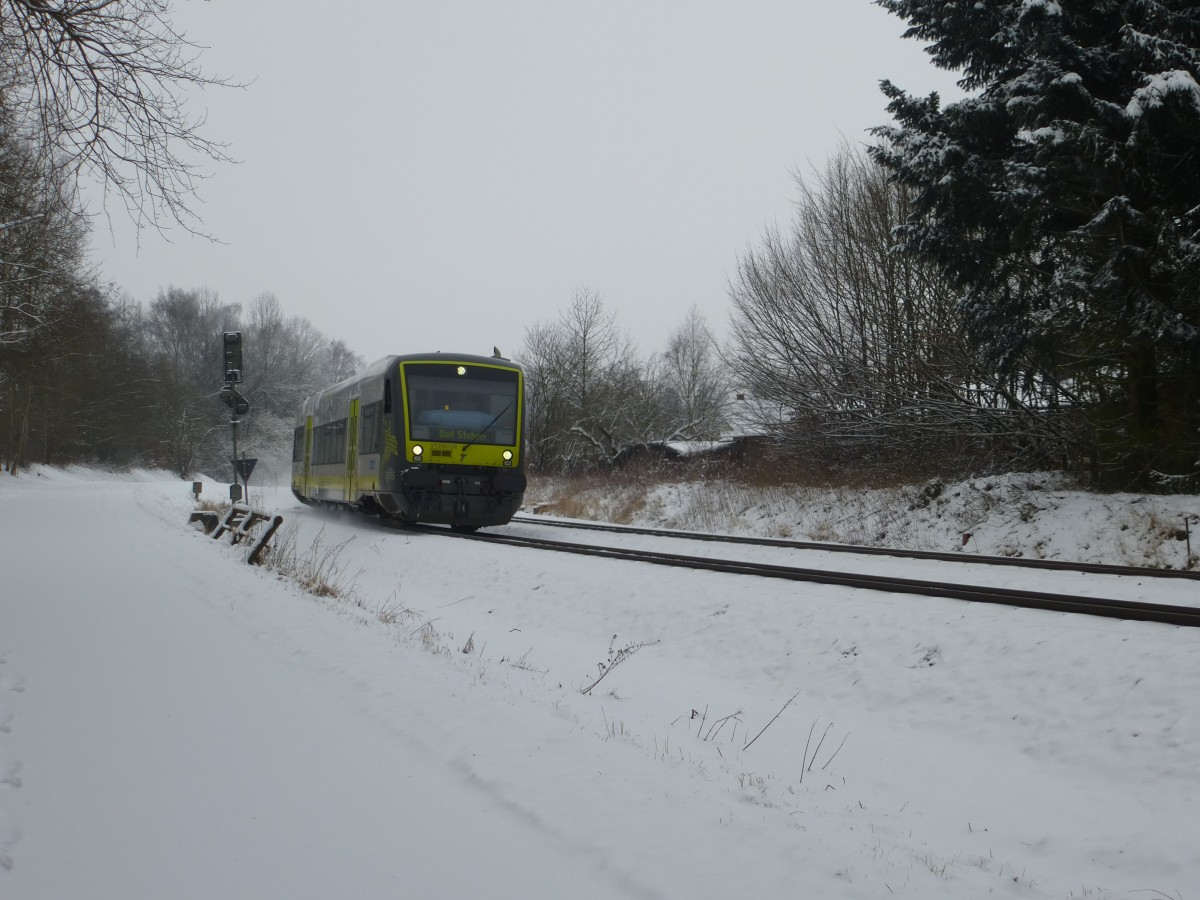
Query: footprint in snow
[[929, 657]]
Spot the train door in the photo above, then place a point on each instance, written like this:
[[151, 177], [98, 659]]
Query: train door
[[308, 434], [352, 452]]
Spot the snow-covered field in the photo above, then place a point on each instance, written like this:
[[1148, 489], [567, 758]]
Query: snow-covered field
[[175, 723]]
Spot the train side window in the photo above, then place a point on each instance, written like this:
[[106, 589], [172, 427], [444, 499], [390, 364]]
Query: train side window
[[338, 430], [329, 443], [321, 445], [298, 445], [387, 395], [369, 430]]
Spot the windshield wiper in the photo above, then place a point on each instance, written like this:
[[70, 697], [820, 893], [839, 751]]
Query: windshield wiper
[[483, 430]]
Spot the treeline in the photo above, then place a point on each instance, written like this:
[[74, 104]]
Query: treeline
[[1009, 281], [851, 360], [107, 381], [858, 357], [595, 402], [87, 375]]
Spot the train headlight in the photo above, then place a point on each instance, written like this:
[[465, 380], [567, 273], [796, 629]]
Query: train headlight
[[418, 450], [507, 454], [462, 370]]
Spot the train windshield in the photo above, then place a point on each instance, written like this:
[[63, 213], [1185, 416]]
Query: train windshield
[[461, 403]]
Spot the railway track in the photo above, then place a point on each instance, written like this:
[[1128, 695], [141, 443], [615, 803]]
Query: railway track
[[1169, 614], [859, 550]]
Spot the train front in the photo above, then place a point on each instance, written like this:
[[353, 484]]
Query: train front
[[459, 459]]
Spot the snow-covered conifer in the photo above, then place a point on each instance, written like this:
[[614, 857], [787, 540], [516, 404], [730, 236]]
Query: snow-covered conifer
[[1062, 197]]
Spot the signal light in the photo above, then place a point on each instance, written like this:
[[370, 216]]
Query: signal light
[[233, 356], [230, 397]]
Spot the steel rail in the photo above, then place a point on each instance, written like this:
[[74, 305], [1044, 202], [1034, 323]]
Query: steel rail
[[940, 556], [1066, 603]]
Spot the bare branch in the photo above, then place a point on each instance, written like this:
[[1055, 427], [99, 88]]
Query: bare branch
[[103, 86]]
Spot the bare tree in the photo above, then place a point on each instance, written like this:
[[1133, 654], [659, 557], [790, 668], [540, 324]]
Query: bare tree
[[865, 346], [545, 359], [266, 330], [567, 364], [287, 358], [183, 328], [183, 341], [102, 85], [592, 400], [339, 362], [695, 379]]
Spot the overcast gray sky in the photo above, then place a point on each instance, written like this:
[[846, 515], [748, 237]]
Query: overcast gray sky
[[441, 175]]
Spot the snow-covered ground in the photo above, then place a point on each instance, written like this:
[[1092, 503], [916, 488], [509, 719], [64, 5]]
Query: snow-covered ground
[[175, 723], [1036, 515]]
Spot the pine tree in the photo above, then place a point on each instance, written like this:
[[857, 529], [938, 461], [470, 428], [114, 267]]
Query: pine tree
[[1062, 197]]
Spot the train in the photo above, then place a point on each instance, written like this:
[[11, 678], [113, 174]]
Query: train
[[434, 438]]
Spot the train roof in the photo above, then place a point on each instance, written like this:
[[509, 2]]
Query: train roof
[[439, 356], [380, 366]]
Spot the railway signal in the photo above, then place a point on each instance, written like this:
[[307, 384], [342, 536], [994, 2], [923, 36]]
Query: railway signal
[[234, 400], [233, 356]]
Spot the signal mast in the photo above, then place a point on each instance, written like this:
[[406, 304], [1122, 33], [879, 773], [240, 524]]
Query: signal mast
[[238, 406]]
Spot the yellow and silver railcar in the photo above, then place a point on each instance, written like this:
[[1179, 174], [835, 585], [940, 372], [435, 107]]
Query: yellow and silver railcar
[[432, 438]]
